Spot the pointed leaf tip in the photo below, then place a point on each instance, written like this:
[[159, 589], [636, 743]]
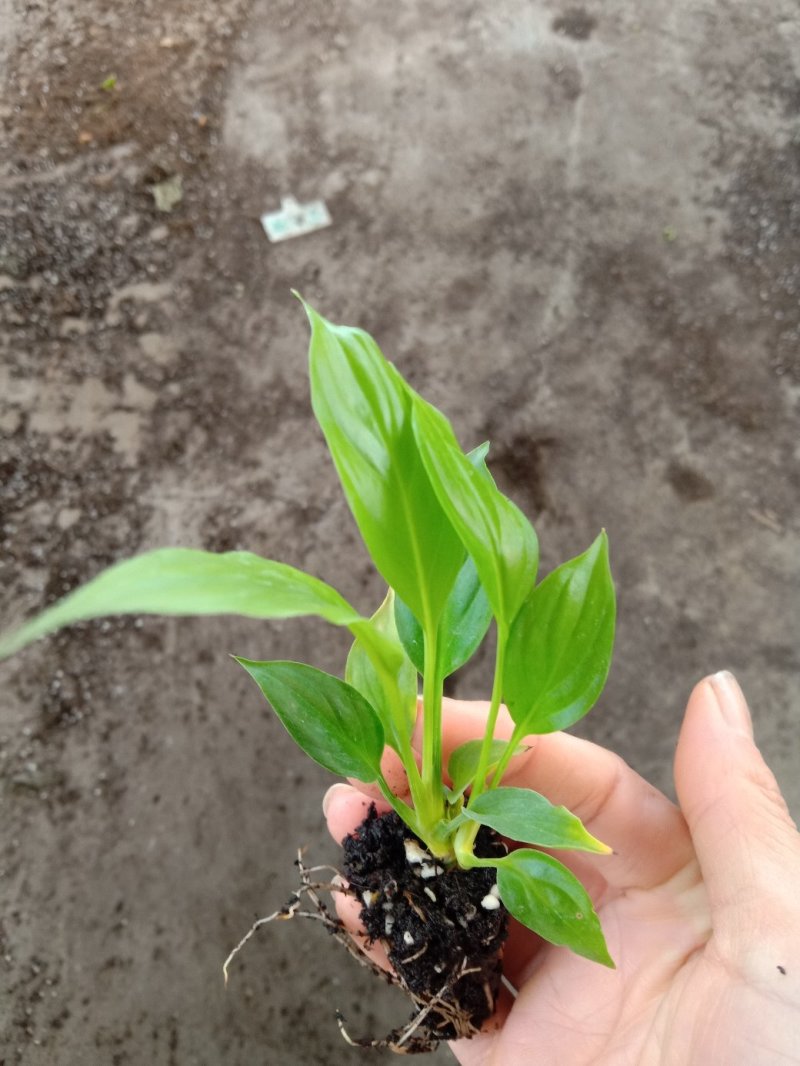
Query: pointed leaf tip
[[186, 581], [524, 815], [560, 647], [326, 717], [363, 407], [546, 897]]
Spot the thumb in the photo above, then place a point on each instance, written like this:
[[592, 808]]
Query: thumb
[[747, 845]]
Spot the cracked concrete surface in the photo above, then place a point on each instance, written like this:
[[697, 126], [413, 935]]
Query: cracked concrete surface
[[574, 227]]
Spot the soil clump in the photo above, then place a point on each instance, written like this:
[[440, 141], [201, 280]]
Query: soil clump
[[443, 927]]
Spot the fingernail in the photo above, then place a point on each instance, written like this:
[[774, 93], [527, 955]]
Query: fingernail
[[731, 702], [333, 791]]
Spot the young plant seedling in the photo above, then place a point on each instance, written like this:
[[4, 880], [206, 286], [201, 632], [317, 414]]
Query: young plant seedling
[[456, 554]]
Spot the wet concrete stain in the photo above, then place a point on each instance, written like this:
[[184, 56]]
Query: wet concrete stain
[[689, 483], [576, 23]]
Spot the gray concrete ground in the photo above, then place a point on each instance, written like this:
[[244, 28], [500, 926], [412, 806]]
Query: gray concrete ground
[[576, 228]]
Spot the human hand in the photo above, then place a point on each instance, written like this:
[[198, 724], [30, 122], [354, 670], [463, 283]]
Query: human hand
[[700, 905]]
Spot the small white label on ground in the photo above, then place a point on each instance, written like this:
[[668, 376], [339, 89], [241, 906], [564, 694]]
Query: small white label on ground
[[295, 220]]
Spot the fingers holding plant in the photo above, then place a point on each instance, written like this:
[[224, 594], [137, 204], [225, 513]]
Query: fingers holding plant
[[616, 805], [747, 845]]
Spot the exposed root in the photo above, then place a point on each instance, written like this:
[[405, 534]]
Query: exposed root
[[320, 913], [408, 1039], [402, 1041], [415, 956]]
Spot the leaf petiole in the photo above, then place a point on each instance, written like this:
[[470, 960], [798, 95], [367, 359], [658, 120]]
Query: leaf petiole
[[497, 693], [512, 750], [432, 730], [408, 814]]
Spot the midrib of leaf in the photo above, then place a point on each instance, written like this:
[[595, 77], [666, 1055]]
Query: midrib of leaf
[[497, 552], [384, 408], [565, 592], [408, 513], [557, 659], [491, 529], [428, 621], [224, 584], [484, 514]]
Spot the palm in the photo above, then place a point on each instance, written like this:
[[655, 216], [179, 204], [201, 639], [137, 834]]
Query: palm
[[672, 1000], [571, 1011]]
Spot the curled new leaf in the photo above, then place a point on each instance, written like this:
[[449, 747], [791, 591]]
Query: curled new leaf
[[559, 649], [328, 718], [542, 894]]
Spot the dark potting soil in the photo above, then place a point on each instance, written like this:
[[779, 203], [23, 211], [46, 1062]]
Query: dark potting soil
[[434, 922]]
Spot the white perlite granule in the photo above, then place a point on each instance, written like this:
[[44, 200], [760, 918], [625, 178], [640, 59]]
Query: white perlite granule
[[414, 853]]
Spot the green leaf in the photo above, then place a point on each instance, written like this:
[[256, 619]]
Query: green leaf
[[462, 627], [185, 581], [385, 676], [497, 535], [466, 614], [328, 718], [520, 814], [465, 619], [364, 409], [410, 633], [559, 649], [542, 894], [464, 759]]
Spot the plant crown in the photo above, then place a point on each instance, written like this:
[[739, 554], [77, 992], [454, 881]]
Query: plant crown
[[456, 554]]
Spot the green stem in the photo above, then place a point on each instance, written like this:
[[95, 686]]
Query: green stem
[[439, 844], [506, 757], [402, 743], [408, 814], [432, 785], [464, 843], [479, 782], [412, 772], [475, 861], [465, 834]]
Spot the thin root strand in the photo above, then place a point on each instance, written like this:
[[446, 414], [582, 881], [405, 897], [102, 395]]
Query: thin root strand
[[411, 1038]]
